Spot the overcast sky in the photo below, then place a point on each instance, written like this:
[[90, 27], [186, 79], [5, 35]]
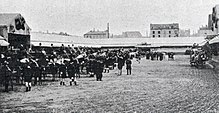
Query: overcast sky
[[80, 16]]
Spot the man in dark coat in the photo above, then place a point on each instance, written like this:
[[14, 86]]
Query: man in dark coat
[[91, 64], [62, 70], [99, 66], [71, 71], [161, 55], [129, 66], [53, 69], [120, 63], [35, 70], [106, 63], [147, 55], [6, 72], [27, 77]]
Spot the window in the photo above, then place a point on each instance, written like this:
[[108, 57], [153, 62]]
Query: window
[[158, 32], [158, 35], [169, 35], [153, 32], [169, 32], [153, 36]]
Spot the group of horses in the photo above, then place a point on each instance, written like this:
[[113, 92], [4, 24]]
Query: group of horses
[[46, 64]]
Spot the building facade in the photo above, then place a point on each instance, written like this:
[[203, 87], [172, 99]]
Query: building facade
[[164, 30], [205, 31], [131, 34], [184, 33], [98, 34]]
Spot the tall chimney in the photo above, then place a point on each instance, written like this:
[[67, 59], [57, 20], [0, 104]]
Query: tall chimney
[[210, 21], [107, 30]]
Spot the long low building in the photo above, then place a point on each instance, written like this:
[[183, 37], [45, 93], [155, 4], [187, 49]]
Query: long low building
[[154, 42], [57, 40]]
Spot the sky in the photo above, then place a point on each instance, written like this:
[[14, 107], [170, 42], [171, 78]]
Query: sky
[[77, 17]]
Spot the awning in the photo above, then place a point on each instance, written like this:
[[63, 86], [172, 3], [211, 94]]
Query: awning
[[214, 40], [3, 42]]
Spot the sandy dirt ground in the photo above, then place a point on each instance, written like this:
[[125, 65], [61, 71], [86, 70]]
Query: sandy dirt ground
[[154, 86]]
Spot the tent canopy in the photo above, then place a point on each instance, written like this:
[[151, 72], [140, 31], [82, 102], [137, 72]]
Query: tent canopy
[[3, 42], [214, 40]]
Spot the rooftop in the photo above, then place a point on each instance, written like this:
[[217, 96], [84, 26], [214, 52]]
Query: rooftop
[[132, 34], [6, 18], [80, 41], [95, 33]]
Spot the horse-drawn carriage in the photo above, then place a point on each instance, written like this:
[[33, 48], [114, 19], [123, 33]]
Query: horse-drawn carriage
[[198, 57]]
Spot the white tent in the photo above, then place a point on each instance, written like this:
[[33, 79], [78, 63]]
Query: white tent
[[47, 39], [3, 42], [214, 40]]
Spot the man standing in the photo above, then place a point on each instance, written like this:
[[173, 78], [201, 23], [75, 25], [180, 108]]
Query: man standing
[[62, 70], [27, 77], [129, 66], [6, 71], [99, 66], [120, 63], [71, 71]]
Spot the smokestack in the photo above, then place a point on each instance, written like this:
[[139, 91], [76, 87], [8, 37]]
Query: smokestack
[[210, 21], [107, 30]]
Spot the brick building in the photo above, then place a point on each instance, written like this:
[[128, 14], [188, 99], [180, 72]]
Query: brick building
[[98, 34], [164, 30]]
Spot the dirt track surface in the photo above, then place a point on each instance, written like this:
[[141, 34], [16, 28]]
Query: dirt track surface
[[154, 86]]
